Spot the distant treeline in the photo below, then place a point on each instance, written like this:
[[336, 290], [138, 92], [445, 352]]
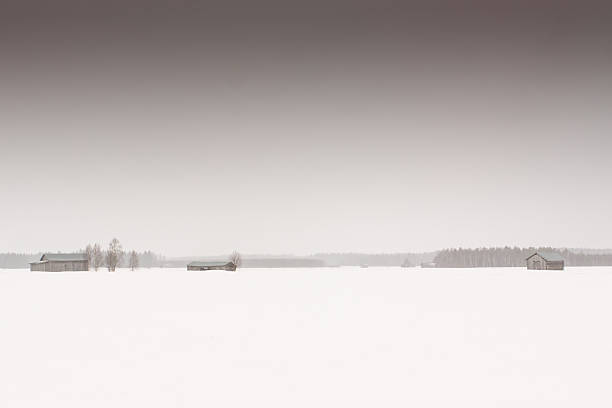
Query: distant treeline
[[17, 261], [392, 259], [507, 256], [316, 260], [254, 261], [448, 258], [146, 259], [282, 263]]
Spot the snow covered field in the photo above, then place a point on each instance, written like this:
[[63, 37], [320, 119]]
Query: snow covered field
[[337, 337]]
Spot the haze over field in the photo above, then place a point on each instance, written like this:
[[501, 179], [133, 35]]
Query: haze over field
[[310, 147], [303, 127]]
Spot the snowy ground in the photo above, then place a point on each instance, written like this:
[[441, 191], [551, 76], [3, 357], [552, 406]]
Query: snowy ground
[[338, 337]]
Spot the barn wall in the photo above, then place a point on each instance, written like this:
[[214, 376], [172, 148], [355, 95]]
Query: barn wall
[[60, 266], [55, 267], [544, 265], [531, 262], [67, 266], [557, 265], [227, 267]]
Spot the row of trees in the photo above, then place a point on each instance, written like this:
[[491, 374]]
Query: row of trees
[[512, 256], [577, 258], [112, 257]]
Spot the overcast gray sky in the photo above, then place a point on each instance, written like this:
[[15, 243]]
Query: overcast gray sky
[[295, 127]]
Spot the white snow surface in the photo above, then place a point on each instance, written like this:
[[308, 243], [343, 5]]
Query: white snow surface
[[329, 337]]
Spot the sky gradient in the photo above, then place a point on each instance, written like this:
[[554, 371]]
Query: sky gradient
[[297, 127]]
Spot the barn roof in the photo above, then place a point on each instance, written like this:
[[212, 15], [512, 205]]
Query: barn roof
[[64, 257], [549, 256], [210, 263]]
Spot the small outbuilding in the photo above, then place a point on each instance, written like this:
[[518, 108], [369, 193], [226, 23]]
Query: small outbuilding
[[543, 260], [212, 266], [61, 263], [428, 265]]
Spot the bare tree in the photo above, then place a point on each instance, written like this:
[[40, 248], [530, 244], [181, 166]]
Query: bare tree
[[236, 259], [114, 255], [133, 260], [97, 256], [89, 255]]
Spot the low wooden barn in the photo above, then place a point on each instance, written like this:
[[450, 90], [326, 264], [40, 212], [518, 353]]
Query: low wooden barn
[[546, 260], [211, 266], [428, 265], [61, 263]]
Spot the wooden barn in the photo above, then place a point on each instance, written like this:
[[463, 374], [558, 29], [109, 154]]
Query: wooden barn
[[211, 266], [428, 265], [61, 263], [546, 260]]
